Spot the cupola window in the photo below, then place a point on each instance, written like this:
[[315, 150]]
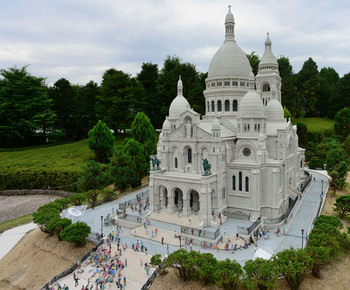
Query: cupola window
[[227, 105], [266, 87], [219, 106], [234, 106]]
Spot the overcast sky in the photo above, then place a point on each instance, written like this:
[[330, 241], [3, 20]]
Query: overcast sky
[[80, 39]]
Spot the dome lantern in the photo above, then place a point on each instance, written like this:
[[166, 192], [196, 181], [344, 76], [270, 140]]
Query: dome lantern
[[229, 25]]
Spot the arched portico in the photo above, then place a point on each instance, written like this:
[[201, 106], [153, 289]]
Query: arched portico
[[193, 202], [178, 199], [161, 198]]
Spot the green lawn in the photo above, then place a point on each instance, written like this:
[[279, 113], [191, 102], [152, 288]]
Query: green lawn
[[316, 124], [64, 156], [16, 222], [71, 155]]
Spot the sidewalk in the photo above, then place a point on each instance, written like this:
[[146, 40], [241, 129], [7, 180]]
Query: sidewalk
[[10, 238]]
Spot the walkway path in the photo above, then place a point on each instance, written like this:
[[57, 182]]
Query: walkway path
[[10, 238]]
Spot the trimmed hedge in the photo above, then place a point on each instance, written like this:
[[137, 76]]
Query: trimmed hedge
[[33, 178]]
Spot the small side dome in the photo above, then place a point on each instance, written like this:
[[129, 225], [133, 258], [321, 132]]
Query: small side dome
[[268, 56], [166, 125], [215, 125], [252, 105], [274, 111], [178, 106]]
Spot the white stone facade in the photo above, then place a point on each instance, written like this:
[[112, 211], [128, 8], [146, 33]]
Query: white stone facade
[[257, 167]]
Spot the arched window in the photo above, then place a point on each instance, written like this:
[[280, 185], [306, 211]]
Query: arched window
[[208, 109], [175, 162], [227, 105], [219, 106], [212, 106], [234, 106], [240, 181], [189, 155], [266, 87], [246, 183], [233, 182]]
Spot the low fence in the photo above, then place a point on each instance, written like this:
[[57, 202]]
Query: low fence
[[250, 229], [152, 277], [71, 269], [306, 182], [292, 206], [195, 232], [35, 192]]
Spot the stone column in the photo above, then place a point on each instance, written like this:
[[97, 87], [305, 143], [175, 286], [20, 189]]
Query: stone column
[[170, 208], [186, 205], [205, 206]]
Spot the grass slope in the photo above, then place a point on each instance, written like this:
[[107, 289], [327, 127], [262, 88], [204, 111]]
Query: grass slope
[[72, 155], [316, 125]]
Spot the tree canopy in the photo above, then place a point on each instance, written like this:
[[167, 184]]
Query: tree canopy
[[25, 108], [100, 141]]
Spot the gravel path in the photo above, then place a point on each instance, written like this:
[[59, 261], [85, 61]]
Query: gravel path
[[16, 206]]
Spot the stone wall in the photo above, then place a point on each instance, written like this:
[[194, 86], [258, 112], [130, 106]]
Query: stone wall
[[35, 192]]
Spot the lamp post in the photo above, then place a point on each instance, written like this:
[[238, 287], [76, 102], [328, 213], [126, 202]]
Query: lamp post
[[180, 241], [101, 226], [322, 186], [302, 238]]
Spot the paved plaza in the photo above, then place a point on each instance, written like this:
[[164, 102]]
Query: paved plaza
[[135, 272], [302, 217]]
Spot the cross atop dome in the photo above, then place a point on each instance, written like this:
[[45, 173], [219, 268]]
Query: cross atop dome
[[229, 8]]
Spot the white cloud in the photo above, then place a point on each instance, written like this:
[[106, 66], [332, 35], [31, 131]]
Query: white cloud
[[79, 39]]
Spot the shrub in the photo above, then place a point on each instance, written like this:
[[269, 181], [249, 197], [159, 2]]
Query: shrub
[[77, 199], [57, 225], [342, 205], [38, 178], [261, 274], [330, 220], [76, 233], [228, 274], [319, 257], [293, 264]]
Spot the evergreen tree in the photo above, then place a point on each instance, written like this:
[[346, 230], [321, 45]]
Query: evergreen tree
[[193, 84], [342, 123], [328, 82], [122, 170], [342, 95], [100, 141], [254, 61], [148, 79], [25, 107], [63, 95], [308, 83], [137, 153], [289, 88], [85, 114], [92, 177], [121, 97]]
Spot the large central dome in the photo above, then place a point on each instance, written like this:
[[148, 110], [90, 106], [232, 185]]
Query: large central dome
[[230, 60]]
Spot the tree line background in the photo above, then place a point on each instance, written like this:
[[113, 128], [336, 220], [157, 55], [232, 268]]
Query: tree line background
[[32, 111]]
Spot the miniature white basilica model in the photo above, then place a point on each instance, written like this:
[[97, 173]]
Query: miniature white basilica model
[[241, 159]]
